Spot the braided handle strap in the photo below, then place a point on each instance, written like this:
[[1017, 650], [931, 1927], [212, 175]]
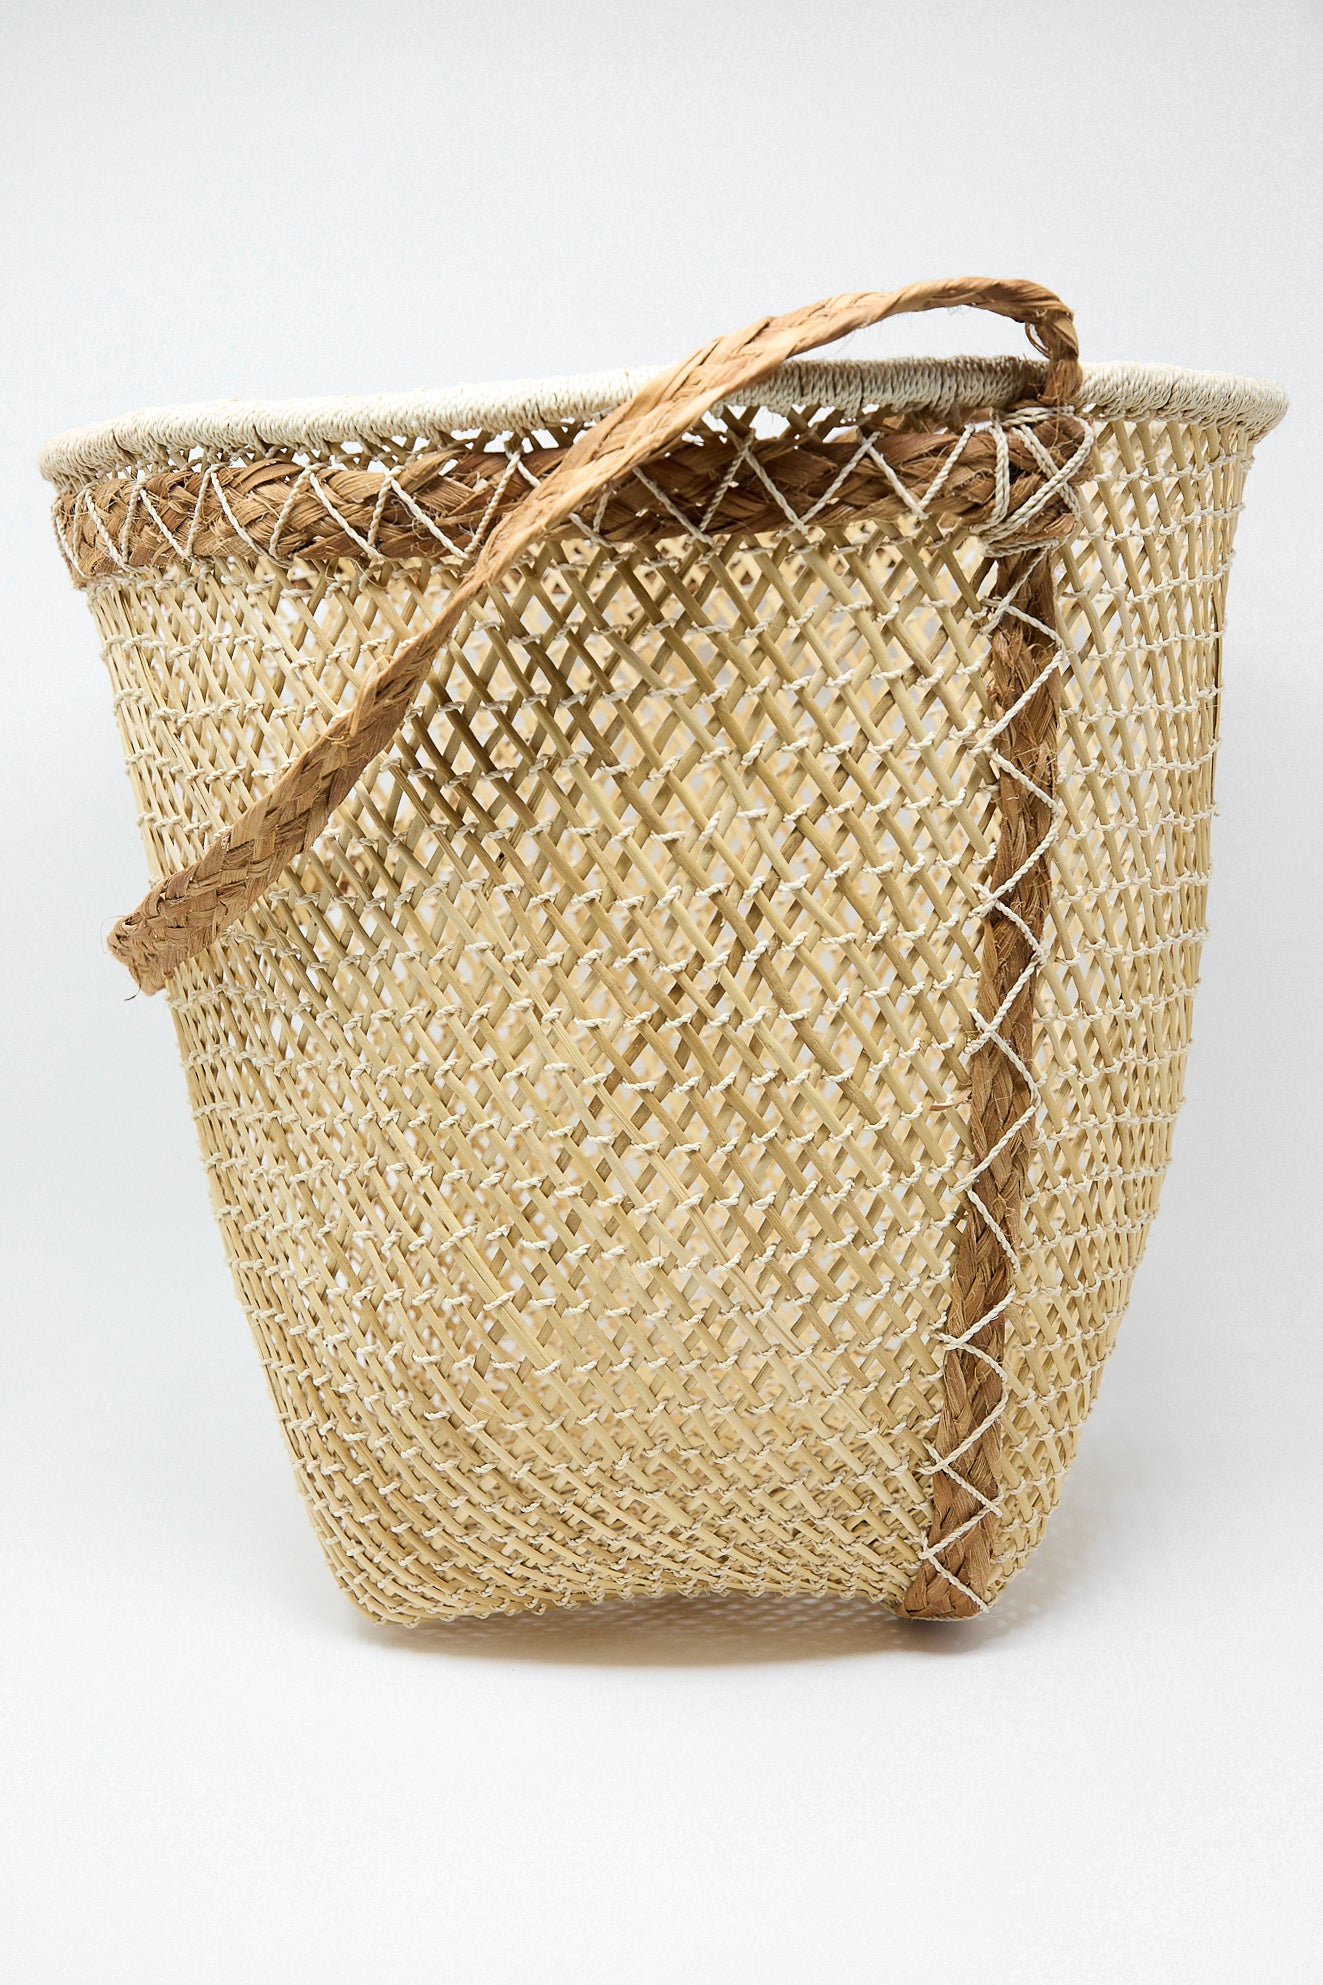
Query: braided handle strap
[[187, 911]]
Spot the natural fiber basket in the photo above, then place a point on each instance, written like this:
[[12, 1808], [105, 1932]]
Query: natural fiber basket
[[681, 922]]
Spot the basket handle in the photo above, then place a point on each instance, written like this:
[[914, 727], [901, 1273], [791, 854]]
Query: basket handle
[[183, 914]]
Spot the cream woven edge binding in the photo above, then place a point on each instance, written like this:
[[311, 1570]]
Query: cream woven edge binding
[[1114, 391]]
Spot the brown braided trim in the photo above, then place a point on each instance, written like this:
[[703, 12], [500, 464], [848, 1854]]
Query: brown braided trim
[[952, 1581], [447, 501]]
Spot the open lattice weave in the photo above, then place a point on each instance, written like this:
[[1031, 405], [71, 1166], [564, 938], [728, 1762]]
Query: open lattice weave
[[631, 1132]]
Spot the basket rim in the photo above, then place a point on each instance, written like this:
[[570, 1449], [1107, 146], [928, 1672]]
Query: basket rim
[[1114, 390]]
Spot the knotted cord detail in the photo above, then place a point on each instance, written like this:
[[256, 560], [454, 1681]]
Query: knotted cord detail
[[1021, 742], [1007, 477]]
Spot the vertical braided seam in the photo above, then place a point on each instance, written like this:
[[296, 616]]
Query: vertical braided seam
[[955, 1568]]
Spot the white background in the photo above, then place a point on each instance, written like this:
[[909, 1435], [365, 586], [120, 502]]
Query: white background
[[215, 1770]]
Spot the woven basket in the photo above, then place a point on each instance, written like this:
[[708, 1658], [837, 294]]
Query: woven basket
[[680, 899]]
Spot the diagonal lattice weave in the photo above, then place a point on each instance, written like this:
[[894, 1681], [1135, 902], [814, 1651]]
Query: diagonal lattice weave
[[586, 1113]]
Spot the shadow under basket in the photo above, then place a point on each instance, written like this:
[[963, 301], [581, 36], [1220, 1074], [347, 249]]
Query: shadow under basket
[[688, 1119]]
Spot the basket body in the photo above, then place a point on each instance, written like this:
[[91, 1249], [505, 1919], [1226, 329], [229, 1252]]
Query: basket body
[[585, 1114]]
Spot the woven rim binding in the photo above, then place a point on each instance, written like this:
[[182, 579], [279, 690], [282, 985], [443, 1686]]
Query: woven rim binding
[[223, 429]]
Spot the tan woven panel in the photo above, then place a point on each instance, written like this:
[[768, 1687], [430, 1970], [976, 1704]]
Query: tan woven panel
[[1143, 602], [585, 1113]]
